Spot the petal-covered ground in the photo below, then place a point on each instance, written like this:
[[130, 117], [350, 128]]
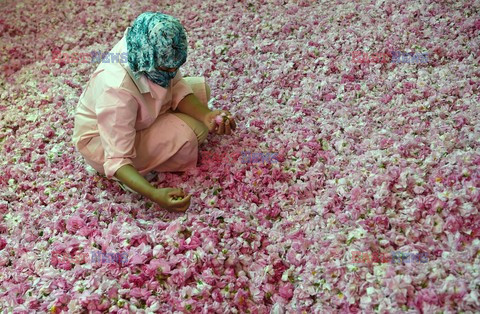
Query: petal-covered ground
[[373, 157]]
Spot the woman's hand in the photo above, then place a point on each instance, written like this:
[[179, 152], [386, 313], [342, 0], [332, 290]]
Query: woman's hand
[[173, 200], [220, 121]]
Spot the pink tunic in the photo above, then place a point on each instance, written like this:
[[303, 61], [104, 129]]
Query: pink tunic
[[120, 120]]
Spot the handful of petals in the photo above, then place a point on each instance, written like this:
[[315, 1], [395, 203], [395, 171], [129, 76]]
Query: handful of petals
[[222, 118]]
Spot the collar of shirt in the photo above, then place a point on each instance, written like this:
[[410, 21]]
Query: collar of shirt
[[143, 84]]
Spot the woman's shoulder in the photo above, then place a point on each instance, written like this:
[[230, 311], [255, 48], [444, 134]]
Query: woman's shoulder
[[113, 77], [110, 75], [109, 84]]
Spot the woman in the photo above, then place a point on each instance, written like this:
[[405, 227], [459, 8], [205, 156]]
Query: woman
[[142, 115]]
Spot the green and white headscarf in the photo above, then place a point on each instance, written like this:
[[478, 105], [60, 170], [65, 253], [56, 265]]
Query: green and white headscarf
[[156, 40]]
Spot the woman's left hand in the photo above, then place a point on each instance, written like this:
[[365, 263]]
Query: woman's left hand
[[220, 121]]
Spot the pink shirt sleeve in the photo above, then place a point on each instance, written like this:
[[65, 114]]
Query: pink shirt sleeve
[[116, 113], [180, 89]]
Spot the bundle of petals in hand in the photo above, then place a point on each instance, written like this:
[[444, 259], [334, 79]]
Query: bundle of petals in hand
[[223, 117], [220, 122]]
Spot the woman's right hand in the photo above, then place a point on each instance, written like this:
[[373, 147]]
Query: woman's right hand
[[172, 199]]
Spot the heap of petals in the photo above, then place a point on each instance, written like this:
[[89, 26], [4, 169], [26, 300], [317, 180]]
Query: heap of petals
[[377, 157]]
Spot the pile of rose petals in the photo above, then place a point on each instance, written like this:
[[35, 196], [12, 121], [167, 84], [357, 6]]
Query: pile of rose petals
[[373, 157]]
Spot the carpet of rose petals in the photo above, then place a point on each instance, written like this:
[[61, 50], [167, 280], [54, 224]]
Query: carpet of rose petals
[[373, 157]]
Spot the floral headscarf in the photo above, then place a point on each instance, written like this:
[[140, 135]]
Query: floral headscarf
[[156, 40]]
